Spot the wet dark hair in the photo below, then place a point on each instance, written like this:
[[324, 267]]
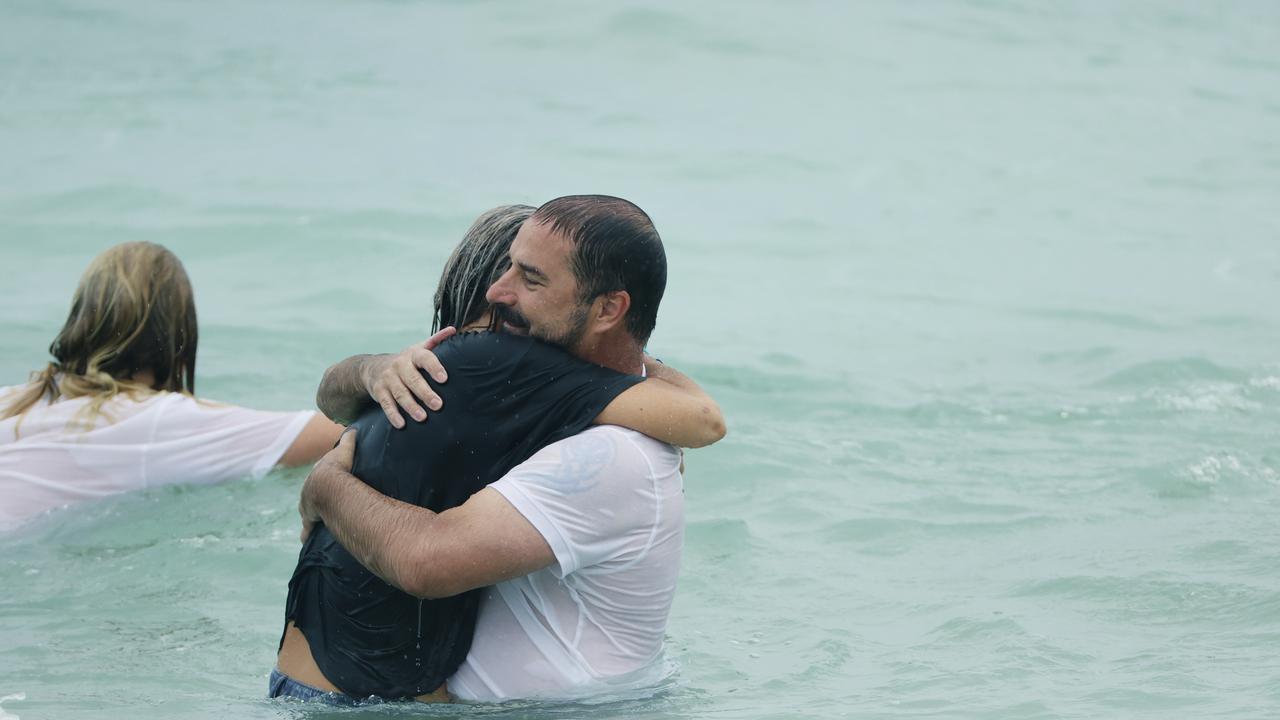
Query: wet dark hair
[[477, 262], [615, 247]]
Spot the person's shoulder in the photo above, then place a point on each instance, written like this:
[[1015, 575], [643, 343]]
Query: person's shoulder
[[167, 398], [10, 392], [518, 355], [176, 406], [482, 346], [623, 434], [628, 447]]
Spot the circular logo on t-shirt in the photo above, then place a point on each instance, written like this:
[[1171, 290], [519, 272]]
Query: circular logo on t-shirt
[[582, 461]]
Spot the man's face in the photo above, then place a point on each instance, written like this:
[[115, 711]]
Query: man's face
[[538, 295]]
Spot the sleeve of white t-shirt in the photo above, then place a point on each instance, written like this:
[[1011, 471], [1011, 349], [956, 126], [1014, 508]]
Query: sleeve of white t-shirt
[[593, 497], [198, 441]]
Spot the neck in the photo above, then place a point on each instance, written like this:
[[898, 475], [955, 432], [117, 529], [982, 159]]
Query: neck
[[144, 377], [622, 353]]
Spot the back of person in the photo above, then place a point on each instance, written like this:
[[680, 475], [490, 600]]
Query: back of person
[[594, 620], [506, 397], [62, 452], [114, 409]]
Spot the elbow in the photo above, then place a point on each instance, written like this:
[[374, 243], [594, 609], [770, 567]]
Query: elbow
[[432, 589], [428, 578], [420, 584], [423, 590], [717, 432], [323, 399], [713, 430]]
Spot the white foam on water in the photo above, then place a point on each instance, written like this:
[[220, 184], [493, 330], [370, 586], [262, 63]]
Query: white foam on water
[[15, 696], [1210, 468], [1213, 467], [1206, 398], [1271, 382]]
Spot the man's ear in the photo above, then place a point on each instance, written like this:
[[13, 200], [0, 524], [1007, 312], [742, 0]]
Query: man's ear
[[610, 309]]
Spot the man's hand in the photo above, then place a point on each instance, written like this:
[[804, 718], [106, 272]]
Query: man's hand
[[395, 382], [336, 461]]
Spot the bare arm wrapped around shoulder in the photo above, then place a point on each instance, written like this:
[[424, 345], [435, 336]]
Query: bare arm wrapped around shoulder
[[668, 406]]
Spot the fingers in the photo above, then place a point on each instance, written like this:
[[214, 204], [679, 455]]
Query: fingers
[[304, 511], [404, 398], [339, 459], [393, 394], [413, 381], [427, 360], [345, 453], [439, 337], [388, 405], [400, 387]]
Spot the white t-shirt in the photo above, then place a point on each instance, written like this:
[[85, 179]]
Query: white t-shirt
[[59, 455], [610, 503]]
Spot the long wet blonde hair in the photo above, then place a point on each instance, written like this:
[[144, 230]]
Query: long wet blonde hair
[[132, 312]]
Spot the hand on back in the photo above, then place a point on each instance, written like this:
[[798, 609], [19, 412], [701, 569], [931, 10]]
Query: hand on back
[[396, 383]]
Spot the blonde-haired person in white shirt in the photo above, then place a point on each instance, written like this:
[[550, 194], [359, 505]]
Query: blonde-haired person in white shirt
[[115, 410]]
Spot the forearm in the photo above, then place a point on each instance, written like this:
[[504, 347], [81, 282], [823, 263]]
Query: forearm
[[379, 531], [710, 417], [428, 555], [669, 407], [659, 371], [343, 394]]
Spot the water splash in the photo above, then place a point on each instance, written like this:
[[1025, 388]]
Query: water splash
[[15, 696]]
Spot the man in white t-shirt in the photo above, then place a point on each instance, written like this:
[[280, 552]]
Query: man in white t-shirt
[[581, 543]]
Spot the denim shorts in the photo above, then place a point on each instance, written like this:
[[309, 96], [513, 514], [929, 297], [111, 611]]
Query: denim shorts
[[281, 685]]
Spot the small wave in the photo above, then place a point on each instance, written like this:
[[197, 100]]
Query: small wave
[[963, 629], [19, 697], [904, 530], [1077, 357], [1212, 397], [1270, 382], [674, 30], [731, 532], [108, 197], [1212, 468], [1094, 317], [1171, 372], [1158, 599], [761, 382]]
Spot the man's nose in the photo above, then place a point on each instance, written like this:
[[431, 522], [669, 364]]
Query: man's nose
[[498, 293]]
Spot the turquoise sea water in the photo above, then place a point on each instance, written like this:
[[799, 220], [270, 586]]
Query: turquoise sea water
[[988, 291]]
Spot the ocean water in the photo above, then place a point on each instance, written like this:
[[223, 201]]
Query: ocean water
[[989, 291]]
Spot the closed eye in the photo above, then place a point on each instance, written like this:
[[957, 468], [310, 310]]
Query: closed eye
[[532, 276]]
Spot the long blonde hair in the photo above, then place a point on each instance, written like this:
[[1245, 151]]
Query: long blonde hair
[[132, 312]]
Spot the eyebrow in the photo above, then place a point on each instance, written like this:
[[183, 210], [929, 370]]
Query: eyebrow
[[531, 270]]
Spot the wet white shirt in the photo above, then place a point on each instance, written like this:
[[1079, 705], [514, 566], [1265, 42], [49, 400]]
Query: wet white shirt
[[59, 455], [610, 503]]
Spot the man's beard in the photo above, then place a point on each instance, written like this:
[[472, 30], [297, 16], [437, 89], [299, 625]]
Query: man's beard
[[567, 339], [510, 317]]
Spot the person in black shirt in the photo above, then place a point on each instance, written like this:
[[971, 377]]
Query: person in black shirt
[[348, 633]]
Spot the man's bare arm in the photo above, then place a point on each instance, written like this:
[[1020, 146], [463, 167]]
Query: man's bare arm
[[361, 381], [423, 553]]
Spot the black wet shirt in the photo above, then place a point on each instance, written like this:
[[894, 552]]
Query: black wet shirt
[[505, 399]]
